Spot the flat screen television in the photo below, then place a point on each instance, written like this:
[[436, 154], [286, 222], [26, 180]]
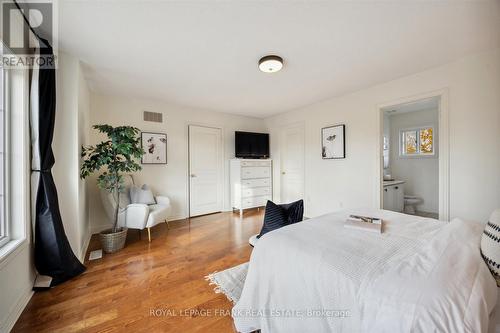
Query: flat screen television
[[251, 145]]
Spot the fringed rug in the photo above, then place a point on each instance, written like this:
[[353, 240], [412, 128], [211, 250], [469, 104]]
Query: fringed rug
[[230, 281]]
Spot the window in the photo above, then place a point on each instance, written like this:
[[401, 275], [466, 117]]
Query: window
[[14, 158], [4, 234], [417, 142]]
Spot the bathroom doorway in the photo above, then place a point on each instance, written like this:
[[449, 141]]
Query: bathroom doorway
[[413, 156]]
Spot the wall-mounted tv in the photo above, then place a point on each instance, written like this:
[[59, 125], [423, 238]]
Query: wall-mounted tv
[[251, 145]]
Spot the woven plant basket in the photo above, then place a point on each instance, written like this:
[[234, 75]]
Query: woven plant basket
[[113, 241]]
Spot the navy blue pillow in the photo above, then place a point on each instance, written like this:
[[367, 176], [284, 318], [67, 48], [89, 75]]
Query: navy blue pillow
[[278, 216]]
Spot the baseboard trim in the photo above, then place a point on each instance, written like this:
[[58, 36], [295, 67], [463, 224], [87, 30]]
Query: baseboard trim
[[176, 218], [95, 229], [16, 311]]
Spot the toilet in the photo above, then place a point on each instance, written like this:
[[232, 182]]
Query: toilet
[[411, 202]]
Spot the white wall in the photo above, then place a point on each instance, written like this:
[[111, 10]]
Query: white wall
[[170, 179], [421, 174], [71, 131], [474, 119]]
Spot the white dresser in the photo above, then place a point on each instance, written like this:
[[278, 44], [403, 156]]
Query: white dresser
[[251, 183]]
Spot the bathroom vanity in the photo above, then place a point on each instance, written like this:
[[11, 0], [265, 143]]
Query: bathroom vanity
[[394, 195]]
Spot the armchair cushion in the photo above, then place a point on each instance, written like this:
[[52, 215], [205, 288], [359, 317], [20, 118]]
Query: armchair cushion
[[142, 195], [157, 214], [136, 216]]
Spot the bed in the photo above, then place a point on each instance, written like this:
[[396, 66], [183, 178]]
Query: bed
[[419, 275]]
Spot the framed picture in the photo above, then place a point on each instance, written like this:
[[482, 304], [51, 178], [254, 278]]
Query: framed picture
[[155, 148], [333, 142]]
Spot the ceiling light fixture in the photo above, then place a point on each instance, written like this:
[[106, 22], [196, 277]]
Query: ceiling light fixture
[[270, 64]]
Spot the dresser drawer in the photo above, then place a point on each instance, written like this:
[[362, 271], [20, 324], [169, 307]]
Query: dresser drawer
[[257, 191], [255, 201], [255, 172], [258, 182], [255, 163]]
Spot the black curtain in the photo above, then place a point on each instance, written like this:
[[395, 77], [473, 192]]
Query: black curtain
[[53, 254]]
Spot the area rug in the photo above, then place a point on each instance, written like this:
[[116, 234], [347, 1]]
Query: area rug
[[230, 281]]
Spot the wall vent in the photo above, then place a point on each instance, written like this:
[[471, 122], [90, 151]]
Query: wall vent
[[153, 116]]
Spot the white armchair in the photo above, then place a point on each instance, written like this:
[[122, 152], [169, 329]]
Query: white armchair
[[136, 216]]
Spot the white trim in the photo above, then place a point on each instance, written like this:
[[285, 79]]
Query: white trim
[[444, 156], [5, 227], [16, 310], [443, 148], [16, 118], [10, 250], [177, 217]]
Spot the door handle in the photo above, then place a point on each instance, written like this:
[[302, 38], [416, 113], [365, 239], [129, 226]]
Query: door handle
[[193, 175], [283, 172]]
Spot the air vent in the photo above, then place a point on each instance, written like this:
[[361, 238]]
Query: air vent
[[153, 116]]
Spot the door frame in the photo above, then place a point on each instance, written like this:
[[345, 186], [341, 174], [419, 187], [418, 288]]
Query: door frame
[[283, 128], [443, 144], [222, 172]]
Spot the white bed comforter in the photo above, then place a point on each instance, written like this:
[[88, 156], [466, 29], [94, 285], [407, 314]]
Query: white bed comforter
[[419, 275]]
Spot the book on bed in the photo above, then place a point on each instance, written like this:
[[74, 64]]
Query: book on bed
[[371, 224]]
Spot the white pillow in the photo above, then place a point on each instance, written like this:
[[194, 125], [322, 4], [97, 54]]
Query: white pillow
[[490, 245], [142, 195]]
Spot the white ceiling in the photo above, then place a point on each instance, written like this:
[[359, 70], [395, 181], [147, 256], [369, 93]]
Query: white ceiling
[[204, 54]]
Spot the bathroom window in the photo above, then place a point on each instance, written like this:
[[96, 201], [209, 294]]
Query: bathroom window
[[417, 142]]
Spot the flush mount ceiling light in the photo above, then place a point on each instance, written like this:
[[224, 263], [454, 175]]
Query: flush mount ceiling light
[[270, 64]]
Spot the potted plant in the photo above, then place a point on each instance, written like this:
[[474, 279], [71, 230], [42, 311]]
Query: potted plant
[[115, 155]]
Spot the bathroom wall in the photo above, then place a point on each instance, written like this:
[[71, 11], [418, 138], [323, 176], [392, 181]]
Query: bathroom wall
[[386, 152], [421, 174]]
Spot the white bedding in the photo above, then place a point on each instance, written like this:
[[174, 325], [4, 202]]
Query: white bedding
[[419, 275]]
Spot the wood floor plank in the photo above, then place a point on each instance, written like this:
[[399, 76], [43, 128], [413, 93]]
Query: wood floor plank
[[122, 291]]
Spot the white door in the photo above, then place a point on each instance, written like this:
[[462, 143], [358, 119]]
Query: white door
[[292, 164], [205, 170]]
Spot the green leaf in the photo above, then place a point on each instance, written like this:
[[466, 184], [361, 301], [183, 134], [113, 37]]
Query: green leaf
[[115, 155]]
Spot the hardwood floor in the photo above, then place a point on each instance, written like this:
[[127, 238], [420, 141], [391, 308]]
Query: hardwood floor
[[150, 287]]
